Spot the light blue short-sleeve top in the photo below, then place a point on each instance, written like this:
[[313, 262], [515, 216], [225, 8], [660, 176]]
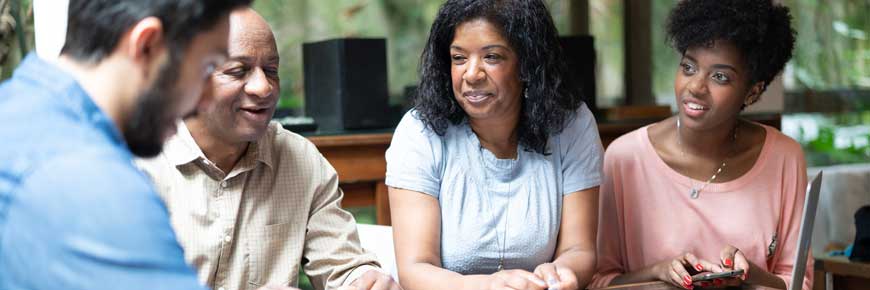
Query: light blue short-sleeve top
[[493, 208]]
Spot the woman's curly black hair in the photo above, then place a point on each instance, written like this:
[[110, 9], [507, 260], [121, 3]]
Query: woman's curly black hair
[[526, 24], [760, 30]]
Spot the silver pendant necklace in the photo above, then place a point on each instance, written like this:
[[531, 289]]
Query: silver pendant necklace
[[695, 192], [501, 240]]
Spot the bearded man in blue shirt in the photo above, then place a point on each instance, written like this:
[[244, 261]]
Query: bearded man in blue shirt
[[74, 211]]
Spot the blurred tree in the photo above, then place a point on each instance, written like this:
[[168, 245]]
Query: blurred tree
[[665, 60], [607, 26], [7, 27], [16, 34], [833, 45]]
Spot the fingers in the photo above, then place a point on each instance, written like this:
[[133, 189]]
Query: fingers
[[677, 280], [366, 281], [741, 263], [679, 275], [733, 259], [567, 278], [727, 256], [531, 278], [692, 261], [519, 282], [375, 280], [708, 266], [382, 284], [700, 265], [518, 279], [548, 273]]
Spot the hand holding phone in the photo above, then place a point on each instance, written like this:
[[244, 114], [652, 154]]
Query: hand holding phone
[[710, 276]]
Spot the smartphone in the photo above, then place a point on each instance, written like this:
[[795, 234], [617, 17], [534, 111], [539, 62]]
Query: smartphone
[[720, 275]]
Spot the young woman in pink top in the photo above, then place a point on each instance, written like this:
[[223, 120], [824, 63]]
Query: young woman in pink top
[[705, 191]]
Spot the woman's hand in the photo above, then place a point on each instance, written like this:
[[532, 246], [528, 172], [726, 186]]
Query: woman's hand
[[679, 270], [733, 259], [516, 280], [557, 277], [373, 280]]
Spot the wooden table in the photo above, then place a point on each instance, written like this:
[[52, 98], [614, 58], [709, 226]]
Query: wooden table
[[358, 157], [359, 161], [840, 274]]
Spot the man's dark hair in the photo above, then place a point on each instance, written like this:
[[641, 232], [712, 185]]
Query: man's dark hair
[[526, 24], [96, 26], [760, 29]]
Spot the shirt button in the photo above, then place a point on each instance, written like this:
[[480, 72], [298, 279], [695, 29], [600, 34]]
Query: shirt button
[[228, 239], [223, 184]]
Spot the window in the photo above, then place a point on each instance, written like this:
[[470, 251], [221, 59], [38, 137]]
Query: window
[[606, 25], [833, 45], [665, 60], [827, 81]]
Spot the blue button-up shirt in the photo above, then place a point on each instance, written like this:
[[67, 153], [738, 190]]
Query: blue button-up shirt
[[74, 211]]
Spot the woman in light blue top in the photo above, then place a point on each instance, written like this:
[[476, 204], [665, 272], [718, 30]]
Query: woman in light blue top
[[493, 177]]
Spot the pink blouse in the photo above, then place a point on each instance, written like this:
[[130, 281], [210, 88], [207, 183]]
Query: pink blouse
[[647, 216]]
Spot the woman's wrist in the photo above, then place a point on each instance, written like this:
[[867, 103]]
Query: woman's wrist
[[760, 276], [650, 273]]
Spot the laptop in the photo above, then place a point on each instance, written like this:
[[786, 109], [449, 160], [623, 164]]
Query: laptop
[[806, 233]]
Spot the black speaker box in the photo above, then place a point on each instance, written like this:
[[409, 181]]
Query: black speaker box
[[579, 52], [346, 83]]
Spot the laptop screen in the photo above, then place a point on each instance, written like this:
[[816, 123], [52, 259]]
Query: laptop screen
[[806, 232]]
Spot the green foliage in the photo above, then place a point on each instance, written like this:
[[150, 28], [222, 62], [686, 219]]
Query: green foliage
[[665, 60], [842, 138], [607, 26], [16, 34], [833, 45], [823, 152]]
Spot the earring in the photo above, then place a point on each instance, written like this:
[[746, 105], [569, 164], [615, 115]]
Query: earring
[[526, 93], [750, 101]]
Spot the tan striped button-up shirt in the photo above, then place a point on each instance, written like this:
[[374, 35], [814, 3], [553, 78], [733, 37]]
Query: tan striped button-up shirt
[[278, 208]]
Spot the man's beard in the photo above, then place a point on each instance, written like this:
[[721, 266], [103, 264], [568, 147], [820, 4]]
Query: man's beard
[[153, 114]]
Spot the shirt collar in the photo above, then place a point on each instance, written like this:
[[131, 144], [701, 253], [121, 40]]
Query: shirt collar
[[266, 145], [182, 149]]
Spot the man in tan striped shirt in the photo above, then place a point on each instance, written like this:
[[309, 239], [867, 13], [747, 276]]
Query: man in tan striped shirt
[[250, 201]]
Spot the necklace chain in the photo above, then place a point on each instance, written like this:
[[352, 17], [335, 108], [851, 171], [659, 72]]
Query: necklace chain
[[696, 192], [501, 241]]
